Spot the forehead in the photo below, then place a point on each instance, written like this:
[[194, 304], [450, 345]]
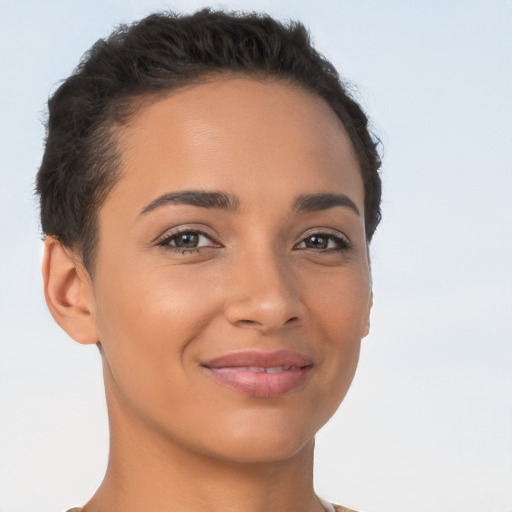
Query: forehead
[[254, 138]]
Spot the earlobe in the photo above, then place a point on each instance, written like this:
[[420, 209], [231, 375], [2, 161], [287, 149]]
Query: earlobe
[[68, 292], [366, 326]]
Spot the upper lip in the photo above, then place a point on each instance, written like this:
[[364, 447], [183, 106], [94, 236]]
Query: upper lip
[[260, 359]]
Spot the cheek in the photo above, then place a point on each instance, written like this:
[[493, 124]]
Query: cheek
[[340, 303], [146, 322], [339, 315], [151, 322], [153, 302]]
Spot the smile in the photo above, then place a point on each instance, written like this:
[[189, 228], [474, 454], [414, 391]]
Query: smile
[[260, 374]]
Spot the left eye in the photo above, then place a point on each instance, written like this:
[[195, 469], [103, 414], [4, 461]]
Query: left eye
[[186, 240], [325, 242]]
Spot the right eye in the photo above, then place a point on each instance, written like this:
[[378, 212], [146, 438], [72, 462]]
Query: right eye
[[187, 241], [325, 242]]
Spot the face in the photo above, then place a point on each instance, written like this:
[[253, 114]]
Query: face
[[232, 287]]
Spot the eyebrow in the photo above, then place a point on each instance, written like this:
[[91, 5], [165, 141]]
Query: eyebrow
[[318, 202], [201, 198], [223, 201]]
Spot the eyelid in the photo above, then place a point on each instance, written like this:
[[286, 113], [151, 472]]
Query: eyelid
[[180, 228], [329, 233], [325, 231], [169, 234]]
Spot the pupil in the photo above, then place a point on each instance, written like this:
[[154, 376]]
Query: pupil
[[187, 240], [317, 242]]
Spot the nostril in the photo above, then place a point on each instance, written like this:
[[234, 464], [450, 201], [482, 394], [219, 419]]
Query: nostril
[[263, 312], [247, 322]]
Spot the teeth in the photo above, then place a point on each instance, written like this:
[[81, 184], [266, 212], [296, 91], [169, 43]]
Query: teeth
[[270, 369], [258, 369], [275, 369]]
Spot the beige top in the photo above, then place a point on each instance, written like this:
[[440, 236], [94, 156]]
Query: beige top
[[339, 508], [329, 508]]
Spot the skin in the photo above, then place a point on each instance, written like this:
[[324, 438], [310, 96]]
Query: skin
[[180, 440]]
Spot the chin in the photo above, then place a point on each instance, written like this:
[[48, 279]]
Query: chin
[[265, 451], [262, 440]]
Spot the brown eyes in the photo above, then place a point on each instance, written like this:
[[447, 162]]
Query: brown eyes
[[187, 241], [324, 241]]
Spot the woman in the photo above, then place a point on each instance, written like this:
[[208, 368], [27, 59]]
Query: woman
[[208, 193]]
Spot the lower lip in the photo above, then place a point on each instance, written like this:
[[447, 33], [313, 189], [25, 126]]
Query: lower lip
[[260, 384]]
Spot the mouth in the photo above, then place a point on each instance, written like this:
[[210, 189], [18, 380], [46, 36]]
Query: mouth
[[260, 374]]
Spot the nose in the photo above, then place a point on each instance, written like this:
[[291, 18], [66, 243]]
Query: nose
[[264, 295]]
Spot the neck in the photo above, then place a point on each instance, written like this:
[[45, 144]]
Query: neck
[[148, 471]]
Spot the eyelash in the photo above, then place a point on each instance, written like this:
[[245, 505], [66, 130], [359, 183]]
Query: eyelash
[[166, 241], [342, 243]]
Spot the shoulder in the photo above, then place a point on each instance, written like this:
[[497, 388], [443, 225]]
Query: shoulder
[[337, 508]]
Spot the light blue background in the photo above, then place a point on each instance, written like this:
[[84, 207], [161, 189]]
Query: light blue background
[[427, 425]]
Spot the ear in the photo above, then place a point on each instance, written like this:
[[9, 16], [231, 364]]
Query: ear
[[366, 325], [68, 291]]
